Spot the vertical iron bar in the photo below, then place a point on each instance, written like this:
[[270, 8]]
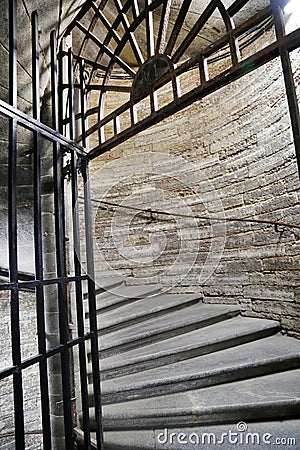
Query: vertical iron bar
[[203, 69], [35, 66], [288, 77], [101, 115], [77, 267], [92, 305], [152, 103], [38, 241], [13, 233], [59, 113], [62, 296], [71, 95], [149, 29], [176, 86], [54, 87], [13, 53], [60, 261], [116, 125], [133, 114], [79, 305], [83, 104]]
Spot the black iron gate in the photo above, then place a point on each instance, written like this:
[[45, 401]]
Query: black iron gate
[[59, 341], [58, 284]]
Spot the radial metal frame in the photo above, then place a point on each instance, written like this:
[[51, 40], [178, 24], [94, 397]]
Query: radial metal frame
[[168, 44]]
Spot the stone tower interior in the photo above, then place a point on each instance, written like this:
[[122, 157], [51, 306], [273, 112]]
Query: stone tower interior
[[150, 231]]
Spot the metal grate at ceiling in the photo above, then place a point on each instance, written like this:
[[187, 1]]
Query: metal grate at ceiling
[[134, 50]]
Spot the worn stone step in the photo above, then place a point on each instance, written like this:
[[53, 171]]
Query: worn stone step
[[122, 295], [144, 309], [231, 332], [106, 284], [268, 355], [158, 328], [269, 397], [263, 435]]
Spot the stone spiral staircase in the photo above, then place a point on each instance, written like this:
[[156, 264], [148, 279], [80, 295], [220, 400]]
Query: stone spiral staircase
[[181, 374]]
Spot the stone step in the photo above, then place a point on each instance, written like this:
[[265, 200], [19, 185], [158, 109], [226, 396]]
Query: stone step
[[269, 397], [107, 284], [268, 355], [231, 332], [158, 328], [122, 295], [263, 435], [144, 309]]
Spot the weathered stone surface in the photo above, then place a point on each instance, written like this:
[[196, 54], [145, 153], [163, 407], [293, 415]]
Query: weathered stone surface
[[239, 144]]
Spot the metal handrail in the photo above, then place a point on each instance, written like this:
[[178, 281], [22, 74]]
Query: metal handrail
[[151, 211]]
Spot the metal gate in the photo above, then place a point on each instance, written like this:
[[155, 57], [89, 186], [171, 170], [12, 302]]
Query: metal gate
[[59, 341]]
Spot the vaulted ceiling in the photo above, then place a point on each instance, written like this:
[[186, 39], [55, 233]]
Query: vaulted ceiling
[[130, 28]]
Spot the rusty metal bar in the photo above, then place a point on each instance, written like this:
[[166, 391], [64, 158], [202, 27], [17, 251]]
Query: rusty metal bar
[[163, 27], [178, 25], [134, 45], [149, 30], [106, 50], [194, 31]]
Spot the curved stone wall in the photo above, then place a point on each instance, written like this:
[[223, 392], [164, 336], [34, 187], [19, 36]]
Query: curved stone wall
[[235, 158]]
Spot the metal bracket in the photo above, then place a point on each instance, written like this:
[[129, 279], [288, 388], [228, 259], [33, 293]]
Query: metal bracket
[[279, 230], [67, 170]]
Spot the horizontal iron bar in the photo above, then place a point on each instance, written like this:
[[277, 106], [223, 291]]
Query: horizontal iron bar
[[34, 125], [87, 61], [40, 357], [24, 276], [99, 87], [45, 282], [6, 286], [51, 281]]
